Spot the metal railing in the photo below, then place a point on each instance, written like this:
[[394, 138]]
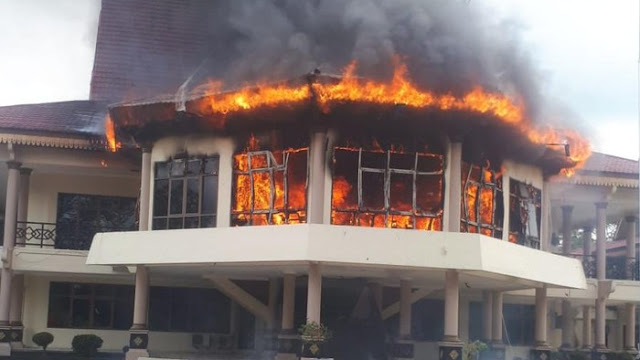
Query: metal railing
[[50, 235], [617, 267]]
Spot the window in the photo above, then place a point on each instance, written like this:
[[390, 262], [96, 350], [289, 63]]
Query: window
[[185, 193], [387, 189], [482, 202], [188, 310], [90, 306], [80, 217], [524, 214], [270, 187], [519, 324], [427, 321]]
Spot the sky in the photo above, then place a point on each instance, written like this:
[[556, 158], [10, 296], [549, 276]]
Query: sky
[[587, 50]]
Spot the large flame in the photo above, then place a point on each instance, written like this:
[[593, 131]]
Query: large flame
[[110, 133], [401, 91]]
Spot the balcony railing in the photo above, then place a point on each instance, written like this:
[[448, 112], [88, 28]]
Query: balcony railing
[[617, 268], [49, 235]]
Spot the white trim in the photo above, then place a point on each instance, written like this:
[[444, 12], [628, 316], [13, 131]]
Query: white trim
[[49, 141]]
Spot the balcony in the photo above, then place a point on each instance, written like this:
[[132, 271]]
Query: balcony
[[49, 235], [618, 267]]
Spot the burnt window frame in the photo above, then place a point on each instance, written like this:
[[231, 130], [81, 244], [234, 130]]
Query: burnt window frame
[[165, 221], [272, 166], [496, 227], [415, 212], [521, 235]]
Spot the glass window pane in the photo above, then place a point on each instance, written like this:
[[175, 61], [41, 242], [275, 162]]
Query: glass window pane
[[376, 160], [159, 224], [123, 314], [175, 223], [104, 290], [81, 311], [211, 165], [194, 167], [159, 308], [209, 194], [207, 221], [429, 193], [179, 309], [102, 313], [177, 168], [176, 196], [160, 197], [162, 170], [373, 190], [81, 289], [193, 195], [401, 196], [191, 222], [59, 312], [62, 289]]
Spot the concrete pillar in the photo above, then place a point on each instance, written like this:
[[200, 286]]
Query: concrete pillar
[[15, 316], [405, 309], [630, 335], [317, 165], [272, 303], [487, 317], [376, 290], [541, 317], [314, 293], [288, 302], [141, 298], [566, 229], [145, 186], [601, 313], [586, 241], [586, 327], [496, 332], [631, 246], [451, 302], [23, 200], [455, 188], [567, 325], [601, 250]]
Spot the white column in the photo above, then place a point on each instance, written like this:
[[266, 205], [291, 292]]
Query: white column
[[317, 164], [10, 218], [567, 325], [630, 338], [631, 246], [405, 309], [496, 333], [23, 200], [141, 299], [15, 316], [455, 188], [487, 317], [314, 293], [587, 241], [601, 312], [601, 250], [566, 229], [145, 186], [451, 303], [288, 301], [541, 317], [586, 327]]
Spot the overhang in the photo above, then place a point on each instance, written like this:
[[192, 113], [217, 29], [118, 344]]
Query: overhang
[[394, 250]]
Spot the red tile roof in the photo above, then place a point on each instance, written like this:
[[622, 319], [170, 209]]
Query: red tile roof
[[148, 47], [85, 118], [603, 163]]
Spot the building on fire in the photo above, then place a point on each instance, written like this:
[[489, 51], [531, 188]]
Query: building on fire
[[408, 223]]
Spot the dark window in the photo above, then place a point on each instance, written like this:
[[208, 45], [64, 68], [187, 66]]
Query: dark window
[[90, 306], [185, 193], [270, 187], [524, 214], [387, 189], [188, 310], [519, 324], [80, 217], [427, 320], [482, 201]]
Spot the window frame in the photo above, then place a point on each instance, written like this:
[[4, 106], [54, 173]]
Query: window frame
[[532, 198], [184, 178], [496, 227]]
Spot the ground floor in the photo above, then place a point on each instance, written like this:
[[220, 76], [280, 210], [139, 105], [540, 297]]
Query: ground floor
[[191, 317]]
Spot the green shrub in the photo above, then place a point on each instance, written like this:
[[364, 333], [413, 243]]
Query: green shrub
[[43, 339], [86, 345]]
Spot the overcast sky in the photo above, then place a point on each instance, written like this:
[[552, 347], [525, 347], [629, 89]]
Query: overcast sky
[[588, 51]]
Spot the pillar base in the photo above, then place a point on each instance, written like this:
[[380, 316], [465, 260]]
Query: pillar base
[[632, 350], [288, 346], [401, 349], [494, 352], [138, 340], [450, 350], [540, 353], [600, 354], [135, 354]]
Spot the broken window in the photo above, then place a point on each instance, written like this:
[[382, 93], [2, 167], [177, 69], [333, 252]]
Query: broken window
[[387, 189], [270, 187], [482, 202], [524, 214], [185, 193]]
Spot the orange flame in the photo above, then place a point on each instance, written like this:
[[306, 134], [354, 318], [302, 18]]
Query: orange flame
[[110, 133]]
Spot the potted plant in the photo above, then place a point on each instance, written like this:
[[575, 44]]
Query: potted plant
[[86, 345], [314, 337], [43, 339], [472, 350]]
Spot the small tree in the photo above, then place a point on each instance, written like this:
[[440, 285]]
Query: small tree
[[471, 350], [43, 339], [86, 345]]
